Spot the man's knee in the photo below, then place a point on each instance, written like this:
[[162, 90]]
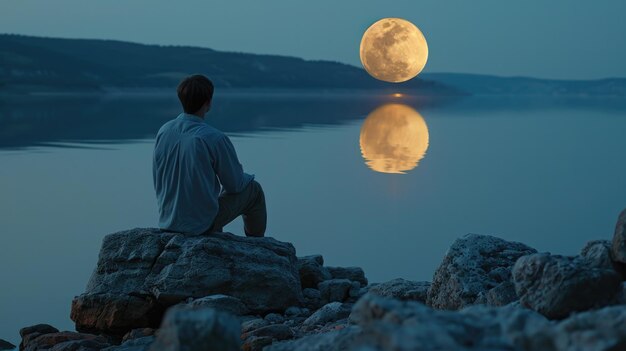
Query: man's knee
[[256, 187], [254, 184]]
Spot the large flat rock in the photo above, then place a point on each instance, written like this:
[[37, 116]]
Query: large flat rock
[[142, 271]]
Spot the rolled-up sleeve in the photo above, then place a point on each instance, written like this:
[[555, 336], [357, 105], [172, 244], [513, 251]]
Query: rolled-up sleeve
[[227, 167]]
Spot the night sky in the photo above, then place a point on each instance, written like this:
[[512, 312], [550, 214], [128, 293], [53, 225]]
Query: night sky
[[566, 39]]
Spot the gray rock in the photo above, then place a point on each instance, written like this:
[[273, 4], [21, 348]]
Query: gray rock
[[222, 302], [32, 332], [598, 254], [136, 344], [501, 295], [511, 327], [312, 271], [5, 345], [355, 274], [598, 330], [618, 247], [114, 313], [474, 265], [191, 328], [274, 331], [274, 318], [331, 341], [622, 299], [402, 289], [138, 333], [556, 286], [63, 341], [390, 324], [335, 290], [312, 298], [355, 291], [311, 293], [381, 323], [256, 343], [148, 269], [331, 312], [295, 311], [253, 324], [38, 329]]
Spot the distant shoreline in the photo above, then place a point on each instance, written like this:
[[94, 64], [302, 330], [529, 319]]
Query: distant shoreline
[[282, 92], [60, 67]]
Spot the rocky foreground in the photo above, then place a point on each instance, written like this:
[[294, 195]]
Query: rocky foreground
[[153, 290]]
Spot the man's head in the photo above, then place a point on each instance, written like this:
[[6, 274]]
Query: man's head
[[195, 94]]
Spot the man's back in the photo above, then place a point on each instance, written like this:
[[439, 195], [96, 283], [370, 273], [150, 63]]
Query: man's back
[[190, 161]]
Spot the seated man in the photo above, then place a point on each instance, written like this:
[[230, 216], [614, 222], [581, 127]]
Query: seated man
[[191, 161]]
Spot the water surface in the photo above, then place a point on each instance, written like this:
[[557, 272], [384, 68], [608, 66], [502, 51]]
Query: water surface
[[547, 172]]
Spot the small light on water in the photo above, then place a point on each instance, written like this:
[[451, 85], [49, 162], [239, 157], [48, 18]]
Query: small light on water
[[397, 95]]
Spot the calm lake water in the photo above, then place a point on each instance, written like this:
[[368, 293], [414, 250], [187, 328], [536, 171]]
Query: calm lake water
[[382, 182]]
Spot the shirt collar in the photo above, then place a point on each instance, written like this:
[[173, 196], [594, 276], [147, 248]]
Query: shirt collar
[[190, 116]]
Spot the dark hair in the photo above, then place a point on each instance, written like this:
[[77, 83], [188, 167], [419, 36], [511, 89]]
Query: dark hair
[[194, 91]]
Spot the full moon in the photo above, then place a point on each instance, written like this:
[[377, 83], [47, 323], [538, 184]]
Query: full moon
[[394, 138], [393, 50]]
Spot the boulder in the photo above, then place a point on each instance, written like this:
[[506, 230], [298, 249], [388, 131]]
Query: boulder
[[257, 339], [599, 330], [115, 313], [222, 302], [618, 246], [556, 286], [598, 254], [34, 331], [46, 337], [274, 318], [137, 344], [147, 270], [337, 289], [312, 271], [295, 311], [476, 269], [343, 339], [312, 298], [253, 324], [355, 274], [402, 289], [138, 333], [274, 331], [331, 312], [192, 328], [256, 343]]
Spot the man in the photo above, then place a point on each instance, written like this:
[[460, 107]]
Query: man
[[199, 182]]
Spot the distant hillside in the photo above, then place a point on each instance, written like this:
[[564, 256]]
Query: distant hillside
[[476, 84], [35, 64], [30, 64]]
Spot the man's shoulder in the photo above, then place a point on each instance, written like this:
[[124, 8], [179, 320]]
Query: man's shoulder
[[207, 130], [191, 128], [169, 125]]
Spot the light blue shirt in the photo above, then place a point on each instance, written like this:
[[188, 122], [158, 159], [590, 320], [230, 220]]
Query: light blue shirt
[[191, 160]]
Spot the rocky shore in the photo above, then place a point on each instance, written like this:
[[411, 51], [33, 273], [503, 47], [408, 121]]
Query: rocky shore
[[154, 290]]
